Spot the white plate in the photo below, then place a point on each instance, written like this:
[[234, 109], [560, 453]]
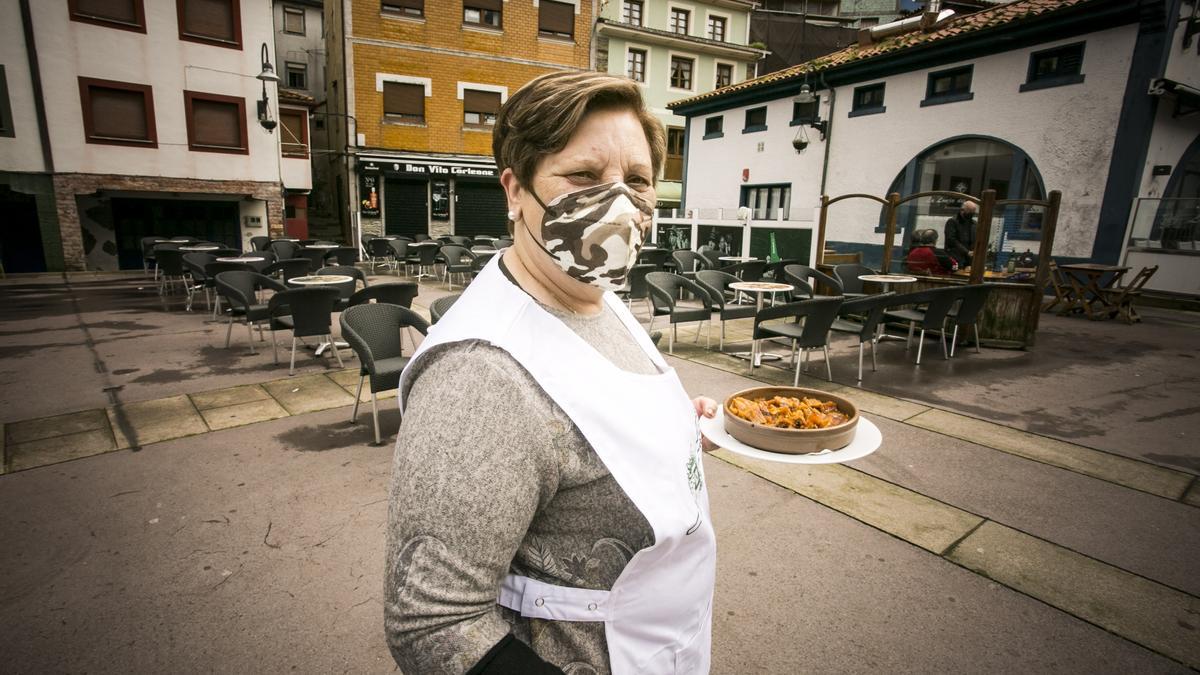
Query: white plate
[[866, 440]]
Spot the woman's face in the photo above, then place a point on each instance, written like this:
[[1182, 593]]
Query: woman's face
[[608, 146]]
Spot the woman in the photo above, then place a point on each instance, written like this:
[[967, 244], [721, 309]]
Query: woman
[[548, 510], [924, 258]]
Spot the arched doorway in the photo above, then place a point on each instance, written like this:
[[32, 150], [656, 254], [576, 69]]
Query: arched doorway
[[1177, 219], [970, 164]]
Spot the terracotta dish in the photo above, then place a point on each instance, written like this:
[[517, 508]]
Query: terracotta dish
[[792, 441]]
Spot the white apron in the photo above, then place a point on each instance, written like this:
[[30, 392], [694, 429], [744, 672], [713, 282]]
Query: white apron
[[658, 615]]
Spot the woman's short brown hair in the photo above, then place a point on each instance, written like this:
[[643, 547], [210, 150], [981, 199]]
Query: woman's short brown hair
[[541, 117]]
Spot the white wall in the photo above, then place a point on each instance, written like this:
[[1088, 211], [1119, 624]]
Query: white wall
[[1067, 132], [69, 49], [23, 151]]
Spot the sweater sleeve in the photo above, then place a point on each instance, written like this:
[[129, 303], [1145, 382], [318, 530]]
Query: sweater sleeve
[[474, 462]]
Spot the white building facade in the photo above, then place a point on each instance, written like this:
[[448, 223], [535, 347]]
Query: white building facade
[[1024, 98], [138, 118]]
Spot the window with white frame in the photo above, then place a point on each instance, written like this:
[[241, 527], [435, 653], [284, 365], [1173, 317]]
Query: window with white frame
[[681, 72], [679, 20], [635, 65], [716, 28]]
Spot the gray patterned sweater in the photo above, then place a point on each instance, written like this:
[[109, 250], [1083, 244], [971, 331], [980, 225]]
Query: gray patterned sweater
[[491, 477]]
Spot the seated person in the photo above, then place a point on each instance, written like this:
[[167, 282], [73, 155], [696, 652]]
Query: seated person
[[924, 258]]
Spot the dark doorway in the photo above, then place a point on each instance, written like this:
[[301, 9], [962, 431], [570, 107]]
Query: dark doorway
[[136, 218], [20, 237], [405, 207], [480, 208]]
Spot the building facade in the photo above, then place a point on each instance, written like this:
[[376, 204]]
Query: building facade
[[1024, 98], [673, 49], [413, 90], [147, 125], [300, 56]]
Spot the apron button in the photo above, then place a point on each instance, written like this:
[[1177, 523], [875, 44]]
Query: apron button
[[539, 602], [592, 606]]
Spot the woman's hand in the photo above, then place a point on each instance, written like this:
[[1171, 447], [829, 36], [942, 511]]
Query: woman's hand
[[705, 407]]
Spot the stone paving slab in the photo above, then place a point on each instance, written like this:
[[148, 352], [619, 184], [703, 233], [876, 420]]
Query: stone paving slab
[[1112, 468], [1148, 613], [1193, 494], [241, 414], [60, 449], [154, 421], [308, 393], [348, 380], [58, 425], [917, 519], [246, 393]]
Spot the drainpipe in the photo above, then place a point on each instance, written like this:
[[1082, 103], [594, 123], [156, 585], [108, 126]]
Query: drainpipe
[[828, 131], [35, 75]]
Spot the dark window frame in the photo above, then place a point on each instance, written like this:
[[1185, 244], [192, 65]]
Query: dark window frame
[[629, 72], [718, 131], [627, 15], [402, 9], [189, 97], [85, 101], [138, 27], [680, 135], [717, 66], [469, 5], [555, 35], [288, 9], [287, 74], [7, 124], [748, 127], [958, 92], [785, 195], [235, 7], [404, 118], [691, 77], [283, 144], [673, 15], [1033, 81], [798, 118], [708, 29], [859, 107], [483, 125]]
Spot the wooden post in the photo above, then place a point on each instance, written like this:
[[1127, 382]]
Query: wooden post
[[1045, 247], [820, 257], [889, 238], [983, 228]]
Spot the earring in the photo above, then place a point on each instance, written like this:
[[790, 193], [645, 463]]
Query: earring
[[512, 216]]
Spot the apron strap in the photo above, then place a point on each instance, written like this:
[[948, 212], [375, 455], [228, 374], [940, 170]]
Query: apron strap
[[538, 600]]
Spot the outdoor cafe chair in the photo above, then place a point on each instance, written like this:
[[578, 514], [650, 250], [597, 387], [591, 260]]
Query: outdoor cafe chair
[[817, 276], [212, 269], [284, 250], [801, 290], [635, 284], [711, 257], [460, 240], [440, 306], [459, 261], [342, 255], [861, 317], [393, 292], [379, 252], [1121, 298], [314, 256], [806, 323], [148, 244], [345, 290], [240, 290], [289, 268], [426, 258], [664, 286], [195, 263], [260, 243], [848, 275], [420, 236], [751, 270], [936, 303], [374, 333], [1064, 294], [170, 266], [653, 256], [716, 282], [966, 313], [399, 253], [307, 312]]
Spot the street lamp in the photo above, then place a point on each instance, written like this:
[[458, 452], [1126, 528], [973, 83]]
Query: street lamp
[[264, 104]]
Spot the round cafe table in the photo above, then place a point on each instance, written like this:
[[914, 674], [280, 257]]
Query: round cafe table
[[191, 249], [242, 259], [886, 280], [320, 247], [759, 289], [737, 258], [322, 280]]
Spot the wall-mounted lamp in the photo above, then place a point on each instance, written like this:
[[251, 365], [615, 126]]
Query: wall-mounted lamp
[[268, 70], [264, 104]]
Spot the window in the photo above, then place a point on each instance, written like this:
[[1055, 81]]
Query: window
[[216, 123], [805, 112], [556, 19], [716, 28], [404, 102], [868, 100], [123, 14], [681, 72], [215, 22], [480, 108], [947, 86], [413, 8], [756, 120], [6, 118], [1055, 67], [679, 20], [635, 65], [714, 127], [293, 20], [724, 75], [766, 202], [293, 130], [631, 12], [482, 12], [673, 166], [297, 75], [118, 113]]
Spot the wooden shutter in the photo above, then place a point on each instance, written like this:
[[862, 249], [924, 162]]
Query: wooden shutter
[[403, 99], [293, 20], [216, 124], [556, 17], [494, 5], [417, 5], [210, 18], [294, 135], [117, 10], [118, 113], [486, 102]]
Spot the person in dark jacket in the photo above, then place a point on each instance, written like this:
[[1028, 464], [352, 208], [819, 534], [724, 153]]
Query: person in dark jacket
[[960, 234]]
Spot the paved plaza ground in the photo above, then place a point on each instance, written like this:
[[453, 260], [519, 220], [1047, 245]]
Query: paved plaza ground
[[174, 505]]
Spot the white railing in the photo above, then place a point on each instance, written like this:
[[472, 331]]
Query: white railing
[[684, 229]]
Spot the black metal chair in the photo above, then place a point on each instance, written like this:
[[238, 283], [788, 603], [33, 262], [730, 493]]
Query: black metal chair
[[260, 243], [936, 303], [307, 312], [801, 290], [289, 268], [425, 258], [716, 282], [420, 236], [967, 312], [347, 290], [664, 286], [148, 244], [240, 290], [399, 253], [635, 284], [374, 332], [284, 250], [687, 263], [169, 262], [711, 256], [848, 275], [806, 323], [342, 255], [195, 263], [459, 240], [815, 276], [440, 306], [314, 256], [654, 256], [458, 261], [379, 252], [212, 269], [395, 293], [869, 312]]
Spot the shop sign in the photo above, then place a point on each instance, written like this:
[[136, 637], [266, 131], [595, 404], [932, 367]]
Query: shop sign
[[439, 194], [423, 169], [368, 192]]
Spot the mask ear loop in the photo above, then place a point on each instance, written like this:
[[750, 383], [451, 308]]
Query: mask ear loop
[[530, 230]]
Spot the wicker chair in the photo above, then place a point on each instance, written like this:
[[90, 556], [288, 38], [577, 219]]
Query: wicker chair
[[807, 324], [307, 312], [240, 290], [374, 333], [664, 287], [440, 306]]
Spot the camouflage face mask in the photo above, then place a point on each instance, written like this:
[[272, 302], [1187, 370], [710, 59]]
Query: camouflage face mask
[[595, 234]]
